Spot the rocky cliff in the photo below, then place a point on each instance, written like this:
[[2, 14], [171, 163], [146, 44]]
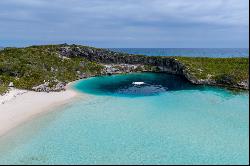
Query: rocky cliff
[[50, 67], [169, 65], [164, 64]]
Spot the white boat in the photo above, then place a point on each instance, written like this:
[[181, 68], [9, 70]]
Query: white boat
[[138, 83]]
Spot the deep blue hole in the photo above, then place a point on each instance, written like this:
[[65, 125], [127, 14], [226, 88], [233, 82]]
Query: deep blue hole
[[122, 85]]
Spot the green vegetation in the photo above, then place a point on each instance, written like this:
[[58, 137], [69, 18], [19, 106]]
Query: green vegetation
[[29, 67], [152, 68], [232, 69], [3, 89]]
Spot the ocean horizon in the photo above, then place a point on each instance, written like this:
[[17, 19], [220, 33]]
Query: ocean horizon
[[122, 82], [138, 118], [189, 52]]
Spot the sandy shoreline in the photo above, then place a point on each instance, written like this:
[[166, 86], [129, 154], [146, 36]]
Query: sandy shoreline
[[18, 106]]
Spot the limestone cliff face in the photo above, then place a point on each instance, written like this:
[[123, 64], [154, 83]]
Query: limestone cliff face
[[164, 64]]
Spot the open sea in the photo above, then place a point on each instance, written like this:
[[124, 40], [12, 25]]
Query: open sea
[[190, 52], [167, 120]]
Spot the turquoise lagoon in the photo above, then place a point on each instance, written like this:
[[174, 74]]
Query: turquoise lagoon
[[165, 121]]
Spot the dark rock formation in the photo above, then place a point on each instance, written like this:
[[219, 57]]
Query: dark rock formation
[[165, 64], [162, 64], [46, 87], [123, 68]]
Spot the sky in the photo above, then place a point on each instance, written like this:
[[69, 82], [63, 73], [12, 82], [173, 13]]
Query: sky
[[126, 23]]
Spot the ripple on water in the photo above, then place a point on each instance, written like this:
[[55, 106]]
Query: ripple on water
[[167, 121]]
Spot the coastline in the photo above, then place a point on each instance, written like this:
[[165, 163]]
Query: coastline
[[19, 106]]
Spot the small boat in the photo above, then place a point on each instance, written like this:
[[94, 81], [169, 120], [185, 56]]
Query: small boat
[[138, 83]]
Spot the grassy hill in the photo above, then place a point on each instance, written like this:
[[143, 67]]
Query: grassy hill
[[225, 71], [32, 66], [29, 67]]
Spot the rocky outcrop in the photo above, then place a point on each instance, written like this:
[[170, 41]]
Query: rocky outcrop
[[244, 84], [48, 87], [111, 69], [224, 81], [126, 63], [165, 64]]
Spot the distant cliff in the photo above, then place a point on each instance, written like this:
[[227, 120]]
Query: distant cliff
[[229, 72], [166, 64], [50, 67]]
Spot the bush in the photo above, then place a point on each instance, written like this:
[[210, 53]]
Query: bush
[[29, 67]]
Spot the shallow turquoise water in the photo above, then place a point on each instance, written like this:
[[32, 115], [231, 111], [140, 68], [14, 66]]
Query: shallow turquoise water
[[122, 124]]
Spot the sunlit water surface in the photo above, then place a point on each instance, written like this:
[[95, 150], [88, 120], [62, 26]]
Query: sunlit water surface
[[165, 121]]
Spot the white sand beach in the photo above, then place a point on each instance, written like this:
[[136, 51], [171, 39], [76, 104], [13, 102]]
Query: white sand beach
[[18, 106]]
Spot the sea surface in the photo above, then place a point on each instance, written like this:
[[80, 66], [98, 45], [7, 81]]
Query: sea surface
[[165, 121], [189, 52]]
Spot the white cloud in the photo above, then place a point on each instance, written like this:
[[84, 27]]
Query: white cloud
[[125, 19], [227, 12]]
